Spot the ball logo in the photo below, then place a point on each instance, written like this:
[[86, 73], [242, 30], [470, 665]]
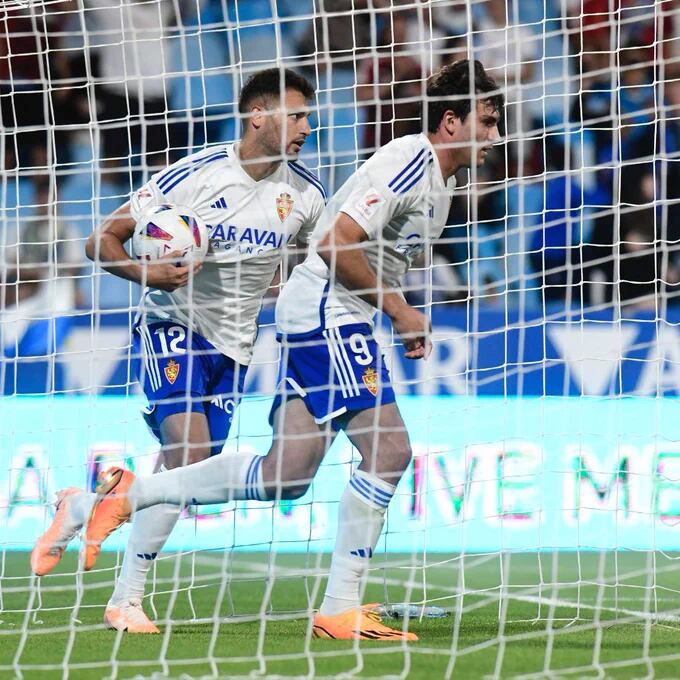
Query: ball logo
[[153, 231], [284, 206], [370, 378], [171, 371]]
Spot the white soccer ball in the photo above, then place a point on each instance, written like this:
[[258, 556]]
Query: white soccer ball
[[164, 229]]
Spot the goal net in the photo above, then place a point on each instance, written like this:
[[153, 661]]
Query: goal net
[[535, 532]]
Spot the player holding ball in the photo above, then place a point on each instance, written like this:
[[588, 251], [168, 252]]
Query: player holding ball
[[193, 336]]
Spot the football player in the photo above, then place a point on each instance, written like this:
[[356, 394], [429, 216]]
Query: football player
[[196, 326]]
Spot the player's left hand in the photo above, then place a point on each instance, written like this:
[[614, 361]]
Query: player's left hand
[[420, 348], [414, 328]]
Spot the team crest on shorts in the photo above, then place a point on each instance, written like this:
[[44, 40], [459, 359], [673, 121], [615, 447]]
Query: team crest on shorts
[[284, 206], [171, 371], [370, 378]]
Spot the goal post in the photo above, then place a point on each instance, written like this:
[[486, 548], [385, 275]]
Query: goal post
[[535, 532]]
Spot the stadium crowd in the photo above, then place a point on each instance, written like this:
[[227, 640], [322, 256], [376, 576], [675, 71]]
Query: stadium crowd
[[578, 207]]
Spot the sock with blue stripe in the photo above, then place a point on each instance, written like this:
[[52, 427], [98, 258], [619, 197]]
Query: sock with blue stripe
[[223, 478], [361, 516], [151, 528]]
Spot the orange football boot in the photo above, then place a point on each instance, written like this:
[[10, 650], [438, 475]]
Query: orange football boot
[[129, 617], [110, 510], [49, 548], [363, 623]]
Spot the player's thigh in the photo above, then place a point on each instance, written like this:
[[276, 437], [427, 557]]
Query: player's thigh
[[381, 438], [172, 372], [185, 439], [297, 449], [224, 392]]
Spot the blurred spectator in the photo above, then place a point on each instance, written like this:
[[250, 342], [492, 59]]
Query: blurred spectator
[[557, 242], [42, 256], [474, 239], [603, 26], [338, 37], [36, 89], [645, 277], [391, 86], [132, 50], [452, 18], [339, 34], [631, 144], [391, 81], [638, 253], [508, 51]]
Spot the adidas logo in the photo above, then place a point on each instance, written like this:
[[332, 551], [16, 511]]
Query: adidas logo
[[219, 203], [147, 556], [362, 552]]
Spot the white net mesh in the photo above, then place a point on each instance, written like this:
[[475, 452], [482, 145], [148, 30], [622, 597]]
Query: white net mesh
[[534, 533]]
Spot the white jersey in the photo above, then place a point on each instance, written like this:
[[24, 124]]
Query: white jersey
[[250, 224], [401, 201]]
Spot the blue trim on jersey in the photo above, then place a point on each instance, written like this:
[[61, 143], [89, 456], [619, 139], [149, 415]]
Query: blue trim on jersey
[[309, 174], [416, 172], [306, 174], [404, 170], [172, 179], [170, 173], [403, 189], [192, 170]]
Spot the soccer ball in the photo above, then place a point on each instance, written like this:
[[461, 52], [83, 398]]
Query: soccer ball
[[167, 228]]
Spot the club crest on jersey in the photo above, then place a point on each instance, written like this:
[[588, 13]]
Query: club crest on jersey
[[171, 371], [284, 205], [370, 378]]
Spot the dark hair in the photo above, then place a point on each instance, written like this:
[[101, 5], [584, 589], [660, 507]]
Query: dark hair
[[454, 79], [268, 83]]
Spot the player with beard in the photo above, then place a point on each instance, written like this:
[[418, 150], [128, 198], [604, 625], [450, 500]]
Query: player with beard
[[196, 325]]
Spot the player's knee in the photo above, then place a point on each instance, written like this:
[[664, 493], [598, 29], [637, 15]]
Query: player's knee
[[399, 458], [298, 477], [291, 491]]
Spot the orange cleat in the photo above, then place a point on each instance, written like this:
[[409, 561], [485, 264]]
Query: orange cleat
[[129, 618], [110, 510], [358, 624], [49, 548]]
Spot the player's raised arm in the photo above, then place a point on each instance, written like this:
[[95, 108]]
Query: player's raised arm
[[105, 246], [343, 252]]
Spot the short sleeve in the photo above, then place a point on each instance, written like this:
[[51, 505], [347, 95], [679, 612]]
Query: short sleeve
[[387, 188], [318, 205], [178, 193], [145, 198]]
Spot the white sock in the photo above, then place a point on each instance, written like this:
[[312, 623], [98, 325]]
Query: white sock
[[79, 507], [360, 520], [150, 530], [223, 478]]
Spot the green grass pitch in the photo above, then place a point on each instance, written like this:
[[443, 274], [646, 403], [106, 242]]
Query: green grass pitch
[[237, 614]]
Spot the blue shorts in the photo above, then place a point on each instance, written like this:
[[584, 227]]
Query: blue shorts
[[181, 372], [335, 372]]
